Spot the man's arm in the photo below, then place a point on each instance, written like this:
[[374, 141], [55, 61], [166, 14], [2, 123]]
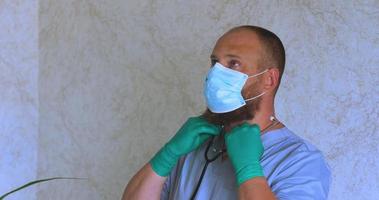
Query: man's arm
[[146, 184], [256, 188], [245, 148]]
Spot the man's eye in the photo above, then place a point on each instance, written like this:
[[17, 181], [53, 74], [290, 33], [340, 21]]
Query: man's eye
[[234, 64]]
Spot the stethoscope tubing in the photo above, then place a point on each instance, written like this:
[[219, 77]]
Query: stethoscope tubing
[[207, 161]]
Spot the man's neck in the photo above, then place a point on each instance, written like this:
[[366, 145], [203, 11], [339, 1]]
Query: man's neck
[[263, 117]]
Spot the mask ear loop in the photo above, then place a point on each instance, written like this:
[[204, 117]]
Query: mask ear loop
[[255, 96], [260, 73], [264, 71]]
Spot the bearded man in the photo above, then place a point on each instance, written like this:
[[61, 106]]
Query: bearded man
[[237, 149]]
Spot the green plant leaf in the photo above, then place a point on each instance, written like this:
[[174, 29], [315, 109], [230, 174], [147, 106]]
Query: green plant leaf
[[35, 182]]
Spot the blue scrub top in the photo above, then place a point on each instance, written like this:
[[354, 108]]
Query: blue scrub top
[[293, 167]]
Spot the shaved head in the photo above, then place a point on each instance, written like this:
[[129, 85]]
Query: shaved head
[[273, 53]]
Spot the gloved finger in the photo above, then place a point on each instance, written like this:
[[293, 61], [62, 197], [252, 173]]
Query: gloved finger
[[251, 128], [246, 125], [208, 129], [202, 123], [236, 129], [203, 137], [202, 126]]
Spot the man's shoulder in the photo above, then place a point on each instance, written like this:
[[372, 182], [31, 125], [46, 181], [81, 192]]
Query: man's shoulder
[[299, 165], [295, 150], [300, 152], [290, 140]]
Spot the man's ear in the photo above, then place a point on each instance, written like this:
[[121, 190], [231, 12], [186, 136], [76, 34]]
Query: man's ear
[[272, 79]]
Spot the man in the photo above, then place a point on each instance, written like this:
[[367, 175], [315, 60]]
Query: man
[[254, 155]]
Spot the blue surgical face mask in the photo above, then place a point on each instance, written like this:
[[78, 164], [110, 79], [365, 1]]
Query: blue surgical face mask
[[223, 89]]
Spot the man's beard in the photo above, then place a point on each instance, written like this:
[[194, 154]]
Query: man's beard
[[246, 112]]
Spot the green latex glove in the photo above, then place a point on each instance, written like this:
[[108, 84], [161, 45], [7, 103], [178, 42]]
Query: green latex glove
[[245, 149], [189, 137]]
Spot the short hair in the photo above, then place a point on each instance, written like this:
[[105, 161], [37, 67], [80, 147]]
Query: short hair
[[274, 52]]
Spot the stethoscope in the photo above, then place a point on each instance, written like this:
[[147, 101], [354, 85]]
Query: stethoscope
[[209, 159], [220, 151]]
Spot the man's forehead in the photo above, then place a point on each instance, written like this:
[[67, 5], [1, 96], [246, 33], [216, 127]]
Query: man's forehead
[[236, 42], [240, 35]]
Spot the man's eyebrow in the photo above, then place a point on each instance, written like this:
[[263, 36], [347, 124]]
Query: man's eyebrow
[[228, 55], [232, 56]]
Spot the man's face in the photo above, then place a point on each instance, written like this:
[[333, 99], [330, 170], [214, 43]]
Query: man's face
[[241, 51]]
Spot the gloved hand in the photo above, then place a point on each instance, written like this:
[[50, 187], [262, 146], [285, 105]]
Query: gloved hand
[[244, 147], [190, 136]]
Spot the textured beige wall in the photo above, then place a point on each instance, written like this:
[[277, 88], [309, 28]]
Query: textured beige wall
[[117, 79], [18, 95]]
